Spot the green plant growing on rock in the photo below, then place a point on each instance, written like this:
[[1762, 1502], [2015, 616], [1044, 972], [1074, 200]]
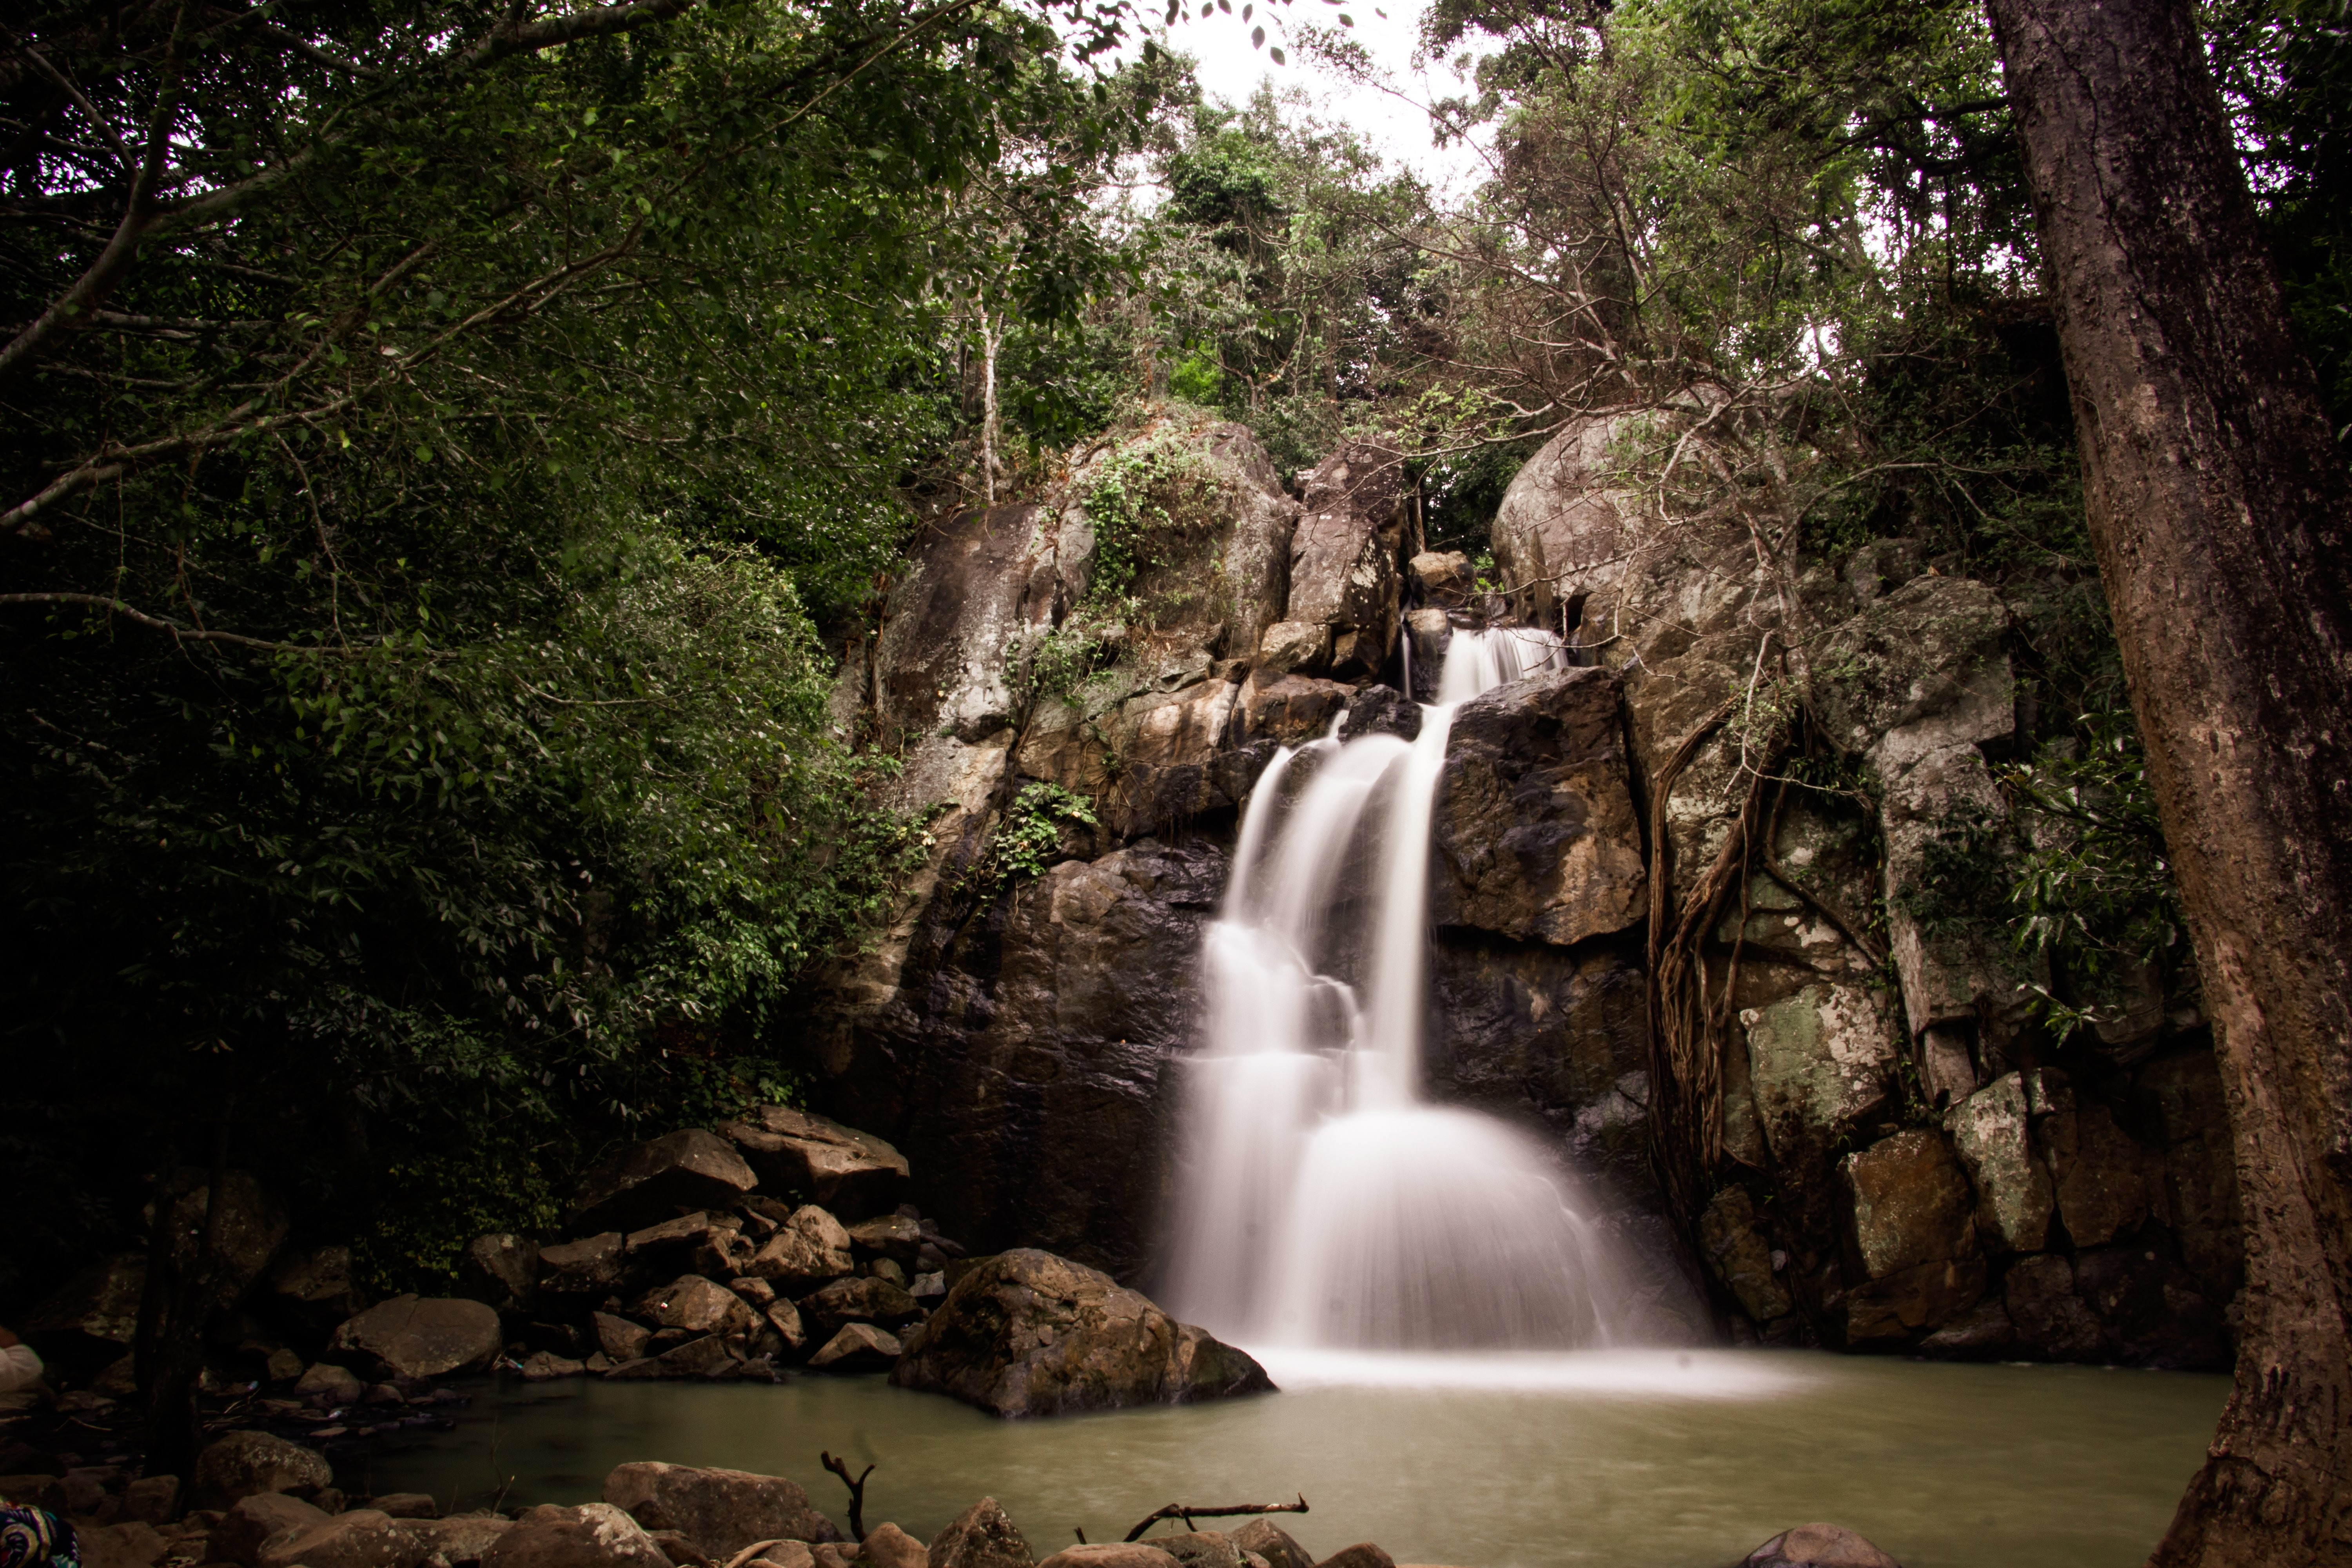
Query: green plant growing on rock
[[1026, 842], [1144, 501]]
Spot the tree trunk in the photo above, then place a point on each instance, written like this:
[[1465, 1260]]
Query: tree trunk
[[2218, 504], [992, 330]]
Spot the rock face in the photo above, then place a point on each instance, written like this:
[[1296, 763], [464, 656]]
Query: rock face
[[411, 1336], [1343, 558], [650, 1182], [1026, 1333], [246, 1463], [1534, 832], [721, 1512]]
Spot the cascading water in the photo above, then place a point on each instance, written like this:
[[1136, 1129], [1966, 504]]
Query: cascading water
[[1322, 1204]]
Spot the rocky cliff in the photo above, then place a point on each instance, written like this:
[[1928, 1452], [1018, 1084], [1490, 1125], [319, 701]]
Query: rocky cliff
[[1890, 1150]]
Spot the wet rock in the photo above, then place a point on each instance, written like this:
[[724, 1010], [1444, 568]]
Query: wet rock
[[890, 1235], [254, 1521], [311, 1290], [245, 1463], [1993, 1135], [501, 1270], [1027, 1333], [852, 1175], [866, 1299], [1818, 1546], [462, 1538], [721, 1511], [1444, 577], [1430, 633], [363, 1538], [330, 1385], [1983, 1332], [594, 1535], [888, 1546], [128, 1545], [1110, 1554], [699, 1306], [544, 1366], [92, 1318], [858, 1347], [1534, 832], [589, 1266], [2150, 1306], [1736, 1249], [806, 1249], [1200, 1549], [651, 1182], [1909, 1203], [1303, 647], [984, 1536], [785, 1318], [2102, 1192], [1363, 1555], [1271, 1542], [700, 1357], [405, 1505], [2039, 1292], [618, 1337], [1380, 710], [412, 1336], [1287, 709]]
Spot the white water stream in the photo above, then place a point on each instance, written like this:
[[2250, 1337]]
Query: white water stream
[[1322, 1204]]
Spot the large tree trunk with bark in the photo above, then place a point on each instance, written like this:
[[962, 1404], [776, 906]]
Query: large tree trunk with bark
[[2217, 502]]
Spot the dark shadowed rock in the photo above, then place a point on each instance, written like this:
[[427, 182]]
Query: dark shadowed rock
[[699, 1306], [589, 1266], [462, 1538], [858, 1347], [594, 1536], [981, 1536], [363, 1538], [650, 1182], [130, 1544], [501, 1270], [852, 1175], [312, 1290], [856, 1300], [1818, 1546], [1200, 1549], [721, 1511], [1380, 710], [1273, 1544], [1911, 1228], [256, 1520], [245, 1463], [1363, 1555], [1027, 1333], [808, 1248], [891, 1236], [1534, 832], [93, 1317], [618, 1337], [2051, 1319], [1287, 709], [1110, 1554], [412, 1336]]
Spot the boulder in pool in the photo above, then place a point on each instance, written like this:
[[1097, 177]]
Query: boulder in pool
[[721, 1511], [594, 1536], [983, 1536], [1110, 1554], [1271, 1542], [411, 1336], [1027, 1333], [1363, 1555], [1818, 1546]]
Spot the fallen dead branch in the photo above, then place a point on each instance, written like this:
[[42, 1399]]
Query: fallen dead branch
[[1188, 1513]]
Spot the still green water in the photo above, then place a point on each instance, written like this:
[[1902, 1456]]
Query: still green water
[[1649, 1460]]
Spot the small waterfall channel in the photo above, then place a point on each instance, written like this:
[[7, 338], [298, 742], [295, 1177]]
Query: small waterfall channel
[[1322, 1204]]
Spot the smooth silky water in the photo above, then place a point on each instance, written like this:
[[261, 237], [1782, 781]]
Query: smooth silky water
[[1433, 1290], [1628, 1459]]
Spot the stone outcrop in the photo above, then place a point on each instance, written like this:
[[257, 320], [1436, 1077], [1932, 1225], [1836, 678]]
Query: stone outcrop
[[1343, 558], [851, 1174], [650, 1182], [1027, 1333]]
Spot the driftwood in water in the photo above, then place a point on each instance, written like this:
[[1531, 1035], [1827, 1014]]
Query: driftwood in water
[[856, 1493], [1186, 1513]]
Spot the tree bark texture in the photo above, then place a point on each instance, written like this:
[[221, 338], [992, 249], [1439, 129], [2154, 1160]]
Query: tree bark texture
[[2218, 503]]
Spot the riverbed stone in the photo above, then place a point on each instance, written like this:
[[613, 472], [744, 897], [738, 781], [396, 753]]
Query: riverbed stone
[[1027, 1333], [1534, 830], [858, 1347], [594, 1536], [243, 1463], [330, 1385], [413, 1336], [699, 1306], [1200, 1549], [852, 1175], [588, 1266], [650, 1183], [1110, 1554], [1819, 1546], [463, 1538], [1271, 1542], [1992, 1132], [618, 1337], [890, 1235], [253, 1521], [1363, 1555], [133, 1543], [888, 1546], [363, 1538], [981, 1536], [807, 1249], [859, 1299], [720, 1511], [500, 1269]]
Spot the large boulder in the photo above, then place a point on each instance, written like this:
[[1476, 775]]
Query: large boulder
[[1818, 1546], [853, 1174], [590, 1267], [412, 1336], [1535, 832], [1911, 1231], [858, 1347], [651, 1182], [363, 1538], [255, 1521], [594, 1535], [809, 1249], [462, 1538], [1993, 1135], [244, 1463], [1559, 530], [859, 1299], [1271, 1542], [1343, 557], [1027, 1333], [501, 1271], [721, 1512], [984, 1536], [699, 1306]]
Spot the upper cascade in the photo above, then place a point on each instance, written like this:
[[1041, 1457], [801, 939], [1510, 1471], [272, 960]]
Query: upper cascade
[[1323, 1204]]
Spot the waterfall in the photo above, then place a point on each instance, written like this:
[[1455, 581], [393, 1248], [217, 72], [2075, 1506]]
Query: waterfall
[[1321, 1203]]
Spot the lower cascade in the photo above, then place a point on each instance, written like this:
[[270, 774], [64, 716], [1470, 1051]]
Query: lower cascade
[[1322, 1204]]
